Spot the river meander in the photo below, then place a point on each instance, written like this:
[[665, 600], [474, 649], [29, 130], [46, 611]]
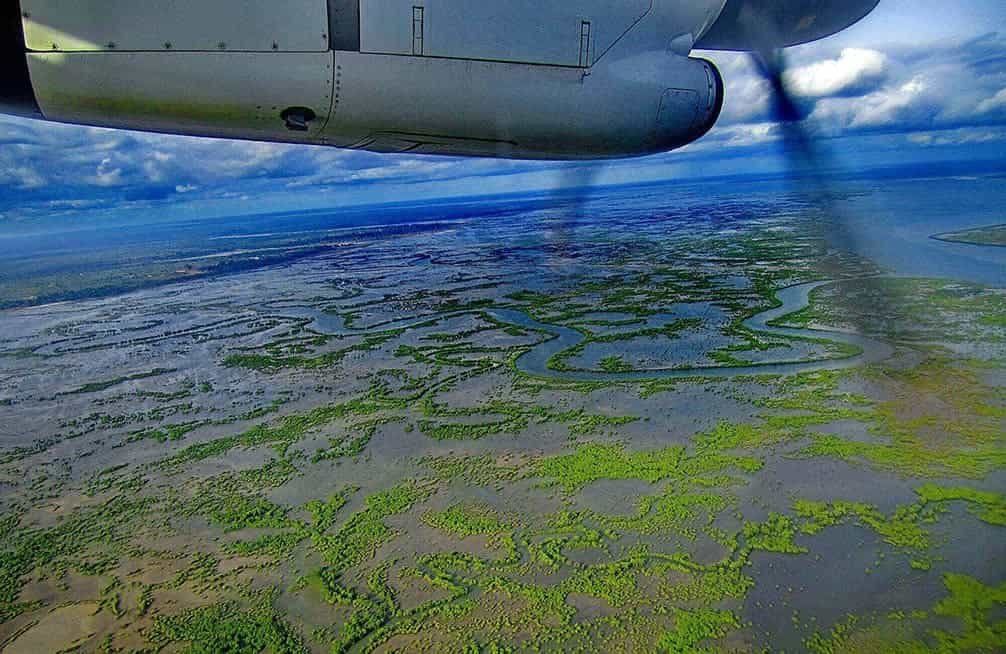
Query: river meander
[[535, 361]]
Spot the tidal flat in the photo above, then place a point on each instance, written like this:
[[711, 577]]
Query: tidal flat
[[474, 438]]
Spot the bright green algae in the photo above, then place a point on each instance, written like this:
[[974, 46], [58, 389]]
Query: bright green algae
[[467, 519]]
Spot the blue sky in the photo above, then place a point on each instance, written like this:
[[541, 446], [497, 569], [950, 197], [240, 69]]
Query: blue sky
[[917, 81]]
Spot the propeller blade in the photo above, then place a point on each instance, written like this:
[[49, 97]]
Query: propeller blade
[[810, 168], [567, 207]]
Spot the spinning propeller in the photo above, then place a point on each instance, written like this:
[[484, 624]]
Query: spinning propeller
[[765, 30]]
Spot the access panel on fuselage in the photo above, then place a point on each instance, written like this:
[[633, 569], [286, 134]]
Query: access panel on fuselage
[[180, 25], [344, 24], [520, 31], [225, 94]]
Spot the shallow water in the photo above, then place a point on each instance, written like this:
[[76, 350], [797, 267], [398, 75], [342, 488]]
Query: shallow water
[[60, 441], [535, 362]]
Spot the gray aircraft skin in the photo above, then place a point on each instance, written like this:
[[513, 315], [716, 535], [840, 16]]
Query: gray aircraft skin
[[583, 79]]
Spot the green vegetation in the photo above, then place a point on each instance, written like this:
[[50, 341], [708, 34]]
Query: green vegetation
[[468, 519], [89, 541], [230, 629], [168, 432], [358, 539], [233, 501], [323, 513], [280, 436], [938, 396], [348, 446], [593, 461], [902, 530], [509, 512], [276, 361], [473, 470], [973, 609], [691, 628], [674, 511], [774, 535], [95, 387], [910, 310], [511, 418], [614, 363], [994, 235], [989, 507]]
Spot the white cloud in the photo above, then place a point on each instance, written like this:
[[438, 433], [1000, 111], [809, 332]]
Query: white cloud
[[74, 204], [966, 136], [186, 188], [738, 136], [886, 107], [107, 174], [26, 178], [996, 102], [853, 69], [883, 107]]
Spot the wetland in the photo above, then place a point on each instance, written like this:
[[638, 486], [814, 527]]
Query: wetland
[[688, 426]]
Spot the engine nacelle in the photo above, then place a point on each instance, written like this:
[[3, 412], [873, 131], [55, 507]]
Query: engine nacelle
[[592, 79], [649, 103]]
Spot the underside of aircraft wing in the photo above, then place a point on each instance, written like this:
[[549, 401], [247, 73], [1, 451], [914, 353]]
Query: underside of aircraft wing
[[764, 25]]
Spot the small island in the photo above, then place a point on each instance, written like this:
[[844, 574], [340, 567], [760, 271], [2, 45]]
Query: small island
[[994, 235]]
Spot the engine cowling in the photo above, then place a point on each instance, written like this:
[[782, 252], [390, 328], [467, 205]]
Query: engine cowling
[[595, 80], [639, 105]]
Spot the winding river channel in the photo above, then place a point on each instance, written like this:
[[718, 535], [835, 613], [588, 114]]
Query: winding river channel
[[535, 361]]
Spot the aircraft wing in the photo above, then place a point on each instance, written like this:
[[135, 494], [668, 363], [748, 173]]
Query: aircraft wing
[[764, 25]]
